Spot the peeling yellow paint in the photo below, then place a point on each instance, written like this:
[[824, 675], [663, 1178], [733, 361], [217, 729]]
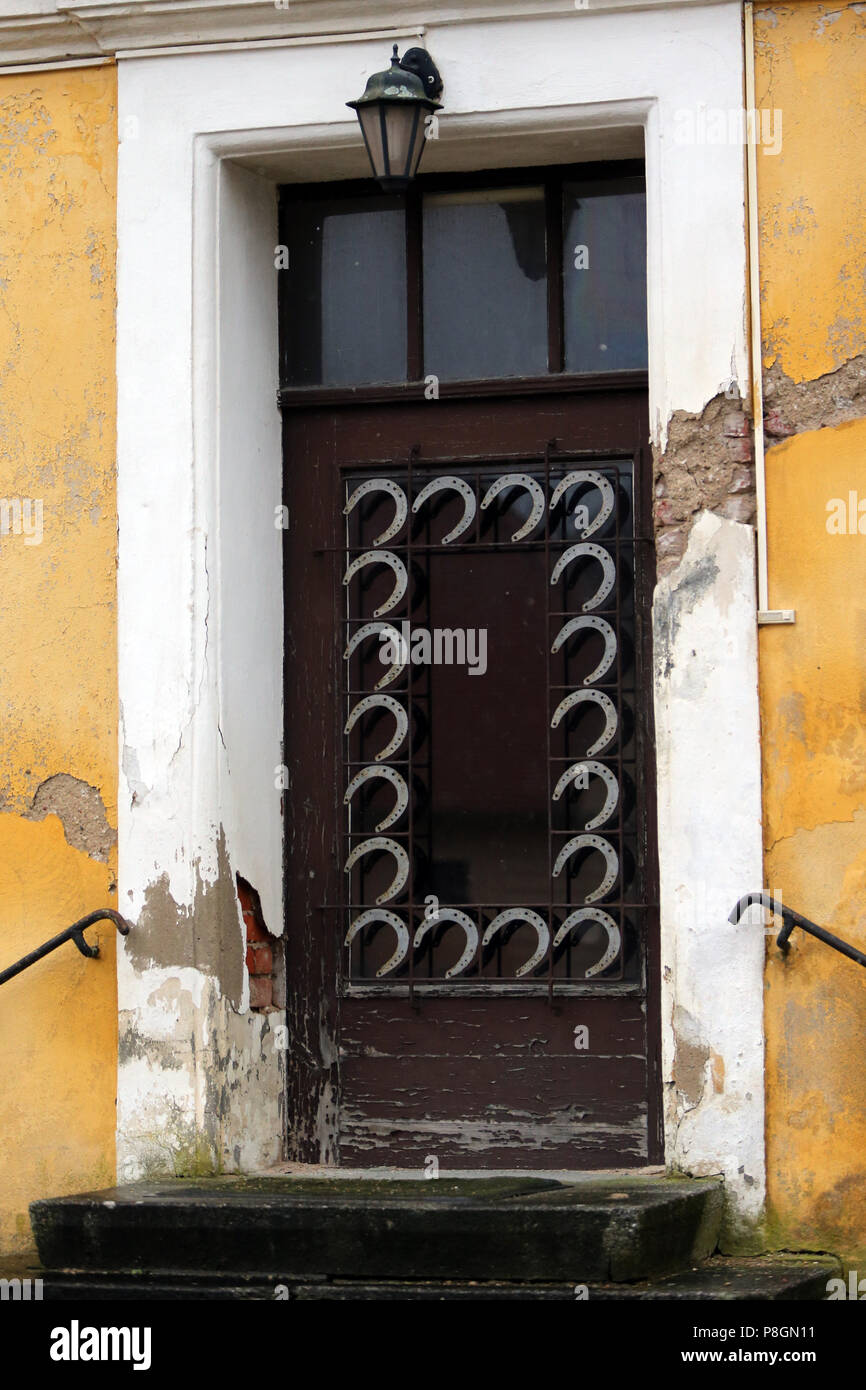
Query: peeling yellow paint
[[58, 670], [811, 66], [813, 701], [58, 1026]]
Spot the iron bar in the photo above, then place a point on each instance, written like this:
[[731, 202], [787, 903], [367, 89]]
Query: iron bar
[[792, 919], [73, 933]]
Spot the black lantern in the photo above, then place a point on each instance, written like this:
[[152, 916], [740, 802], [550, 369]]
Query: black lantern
[[392, 115]]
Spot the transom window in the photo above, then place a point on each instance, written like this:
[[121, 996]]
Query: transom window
[[517, 275]]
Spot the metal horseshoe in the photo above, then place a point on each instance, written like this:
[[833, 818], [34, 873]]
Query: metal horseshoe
[[452, 914], [393, 490], [522, 914], [611, 862], [391, 775], [384, 702], [588, 475], [397, 645], [469, 504], [610, 782], [598, 625], [384, 557], [604, 702], [381, 842], [381, 914], [535, 491], [614, 937], [598, 552]]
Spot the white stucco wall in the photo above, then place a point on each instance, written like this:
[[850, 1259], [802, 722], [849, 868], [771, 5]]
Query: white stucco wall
[[199, 468]]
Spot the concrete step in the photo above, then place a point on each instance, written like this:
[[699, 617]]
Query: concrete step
[[770, 1278], [591, 1230]]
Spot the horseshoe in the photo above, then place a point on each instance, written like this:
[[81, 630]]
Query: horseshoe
[[605, 487], [459, 485], [614, 937], [452, 914], [597, 552], [385, 557], [381, 914], [385, 702], [391, 775], [522, 914], [535, 491], [611, 860], [391, 847], [606, 776], [598, 625], [395, 491], [397, 645], [599, 698]]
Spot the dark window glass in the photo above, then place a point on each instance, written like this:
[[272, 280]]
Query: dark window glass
[[485, 284], [345, 292], [604, 277]]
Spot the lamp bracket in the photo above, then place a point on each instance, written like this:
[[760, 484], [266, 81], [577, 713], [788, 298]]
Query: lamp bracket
[[418, 60]]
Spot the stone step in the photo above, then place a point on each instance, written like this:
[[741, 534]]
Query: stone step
[[768, 1278], [590, 1230]]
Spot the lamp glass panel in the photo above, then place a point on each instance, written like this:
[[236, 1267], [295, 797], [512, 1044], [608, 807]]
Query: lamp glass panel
[[403, 122], [370, 118]]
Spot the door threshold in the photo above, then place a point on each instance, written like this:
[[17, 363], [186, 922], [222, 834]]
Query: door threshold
[[322, 1170]]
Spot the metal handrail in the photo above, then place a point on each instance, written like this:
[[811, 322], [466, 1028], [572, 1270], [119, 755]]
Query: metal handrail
[[792, 919], [74, 933]]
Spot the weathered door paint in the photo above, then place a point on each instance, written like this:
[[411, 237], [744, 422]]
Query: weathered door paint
[[430, 1034]]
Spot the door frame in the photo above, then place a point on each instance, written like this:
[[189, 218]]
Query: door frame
[[200, 641]]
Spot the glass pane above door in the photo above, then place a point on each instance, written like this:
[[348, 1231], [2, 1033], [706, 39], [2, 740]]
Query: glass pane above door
[[485, 284], [525, 275], [344, 292], [604, 277]]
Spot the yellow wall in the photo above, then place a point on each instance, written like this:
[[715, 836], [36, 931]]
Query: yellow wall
[[58, 676], [811, 65]]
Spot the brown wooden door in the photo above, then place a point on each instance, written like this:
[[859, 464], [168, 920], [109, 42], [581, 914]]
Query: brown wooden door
[[443, 1027]]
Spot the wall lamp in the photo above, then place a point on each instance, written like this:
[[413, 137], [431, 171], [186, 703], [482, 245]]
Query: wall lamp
[[392, 115]]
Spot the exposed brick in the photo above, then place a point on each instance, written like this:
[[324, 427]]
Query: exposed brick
[[260, 960], [742, 481], [740, 508], [740, 450], [261, 991], [736, 424], [665, 514], [775, 426], [671, 543], [256, 929], [705, 467]]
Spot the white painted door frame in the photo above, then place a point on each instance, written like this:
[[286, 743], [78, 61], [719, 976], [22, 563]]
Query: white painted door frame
[[205, 138]]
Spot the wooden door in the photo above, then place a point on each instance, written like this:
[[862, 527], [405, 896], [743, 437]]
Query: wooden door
[[480, 985]]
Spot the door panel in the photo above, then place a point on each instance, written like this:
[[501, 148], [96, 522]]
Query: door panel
[[394, 1056]]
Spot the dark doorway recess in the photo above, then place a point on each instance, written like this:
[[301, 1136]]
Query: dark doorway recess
[[472, 937]]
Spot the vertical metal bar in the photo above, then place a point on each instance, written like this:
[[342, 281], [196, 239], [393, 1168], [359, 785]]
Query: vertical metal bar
[[617, 588], [551, 444], [410, 781]]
